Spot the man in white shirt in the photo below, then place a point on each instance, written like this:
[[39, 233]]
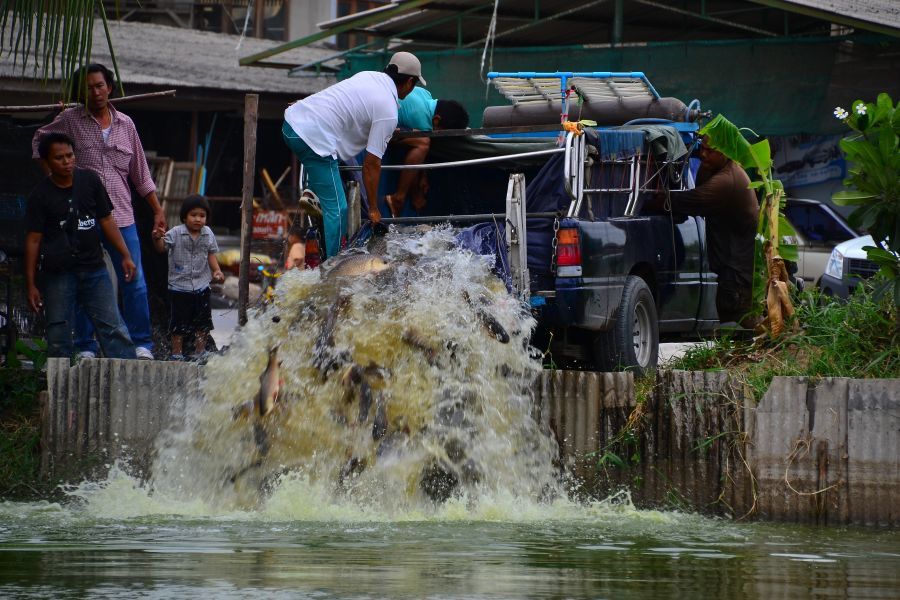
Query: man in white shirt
[[338, 123]]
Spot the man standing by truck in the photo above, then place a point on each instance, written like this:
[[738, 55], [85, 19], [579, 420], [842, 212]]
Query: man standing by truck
[[731, 209], [359, 113]]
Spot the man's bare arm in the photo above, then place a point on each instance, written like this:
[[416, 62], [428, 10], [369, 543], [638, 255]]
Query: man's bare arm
[[371, 173], [32, 248], [112, 233]]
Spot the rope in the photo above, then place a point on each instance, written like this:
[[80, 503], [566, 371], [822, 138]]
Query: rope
[[489, 41], [246, 23]]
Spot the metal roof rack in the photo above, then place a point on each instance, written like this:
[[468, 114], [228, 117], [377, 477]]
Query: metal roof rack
[[531, 86]]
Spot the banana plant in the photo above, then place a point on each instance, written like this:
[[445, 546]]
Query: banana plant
[[873, 185], [770, 279], [54, 37]]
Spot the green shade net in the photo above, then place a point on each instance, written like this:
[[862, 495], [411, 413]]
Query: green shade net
[[775, 87]]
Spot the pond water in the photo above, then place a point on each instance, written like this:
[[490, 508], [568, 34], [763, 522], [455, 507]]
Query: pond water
[[501, 549]]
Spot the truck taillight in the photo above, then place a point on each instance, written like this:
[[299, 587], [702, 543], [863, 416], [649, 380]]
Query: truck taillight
[[568, 248]]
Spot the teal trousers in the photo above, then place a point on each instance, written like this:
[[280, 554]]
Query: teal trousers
[[325, 180]]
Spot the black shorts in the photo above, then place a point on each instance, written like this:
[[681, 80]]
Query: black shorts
[[190, 312]]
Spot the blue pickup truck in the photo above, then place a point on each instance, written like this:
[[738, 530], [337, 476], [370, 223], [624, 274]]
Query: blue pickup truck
[[587, 240]]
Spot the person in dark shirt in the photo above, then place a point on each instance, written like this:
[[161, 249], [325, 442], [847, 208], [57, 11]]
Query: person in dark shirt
[[731, 209], [63, 219]]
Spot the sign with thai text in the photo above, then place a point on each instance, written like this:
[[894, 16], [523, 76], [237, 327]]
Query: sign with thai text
[[269, 224]]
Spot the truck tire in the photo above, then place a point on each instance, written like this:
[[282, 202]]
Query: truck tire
[[632, 343]]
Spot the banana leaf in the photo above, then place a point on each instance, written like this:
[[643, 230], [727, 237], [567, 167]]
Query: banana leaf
[[51, 34]]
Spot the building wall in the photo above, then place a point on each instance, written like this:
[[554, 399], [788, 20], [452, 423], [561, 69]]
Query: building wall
[[306, 14]]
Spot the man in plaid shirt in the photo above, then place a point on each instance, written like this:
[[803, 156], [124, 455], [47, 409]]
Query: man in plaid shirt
[[107, 142]]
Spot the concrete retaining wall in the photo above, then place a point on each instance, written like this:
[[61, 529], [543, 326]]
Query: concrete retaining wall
[[103, 409], [680, 448], [825, 452], [829, 451]]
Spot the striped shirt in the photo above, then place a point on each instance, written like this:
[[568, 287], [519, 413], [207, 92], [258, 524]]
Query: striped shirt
[[189, 258], [116, 161]]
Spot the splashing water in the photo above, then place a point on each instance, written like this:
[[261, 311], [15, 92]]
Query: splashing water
[[400, 389]]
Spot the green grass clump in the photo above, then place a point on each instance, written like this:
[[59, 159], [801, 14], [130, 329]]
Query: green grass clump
[[20, 434], [859, 338]]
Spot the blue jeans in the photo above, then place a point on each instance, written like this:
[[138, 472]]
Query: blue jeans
[[93, 292], [135, 307], [325, 181]]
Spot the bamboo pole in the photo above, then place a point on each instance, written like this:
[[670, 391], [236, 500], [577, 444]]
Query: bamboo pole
[[273, 189], [61, 106], [251, 106]]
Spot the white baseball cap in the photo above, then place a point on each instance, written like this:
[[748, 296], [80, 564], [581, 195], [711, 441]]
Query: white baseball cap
[[407, 64]]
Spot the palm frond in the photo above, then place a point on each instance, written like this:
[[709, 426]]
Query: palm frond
[[55, 37]]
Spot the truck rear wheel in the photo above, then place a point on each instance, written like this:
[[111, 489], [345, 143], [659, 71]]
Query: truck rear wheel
[[632, 343]]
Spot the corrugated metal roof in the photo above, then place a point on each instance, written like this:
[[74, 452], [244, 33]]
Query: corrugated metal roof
[[427, 25], [185, 58], [880, 13]]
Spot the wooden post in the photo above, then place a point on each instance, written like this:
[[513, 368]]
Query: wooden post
[[194, 135], [251, 105], [259, 16]]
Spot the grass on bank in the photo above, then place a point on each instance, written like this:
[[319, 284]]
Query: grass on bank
[[859, 338], [20, 435]]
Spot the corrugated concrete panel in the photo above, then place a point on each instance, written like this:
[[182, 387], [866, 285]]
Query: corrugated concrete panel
[[826, 451], [584, 410], [781, 425], [697, 438], [101, 410], [873, 448]]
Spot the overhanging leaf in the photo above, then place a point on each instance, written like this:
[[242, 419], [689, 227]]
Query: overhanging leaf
[[725, 137], [762, 156], [850, 197]]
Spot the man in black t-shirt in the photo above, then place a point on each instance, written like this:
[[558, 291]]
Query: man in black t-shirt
[[63, 219]]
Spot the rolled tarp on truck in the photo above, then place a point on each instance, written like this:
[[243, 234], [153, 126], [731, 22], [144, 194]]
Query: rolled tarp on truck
[[607, 112]]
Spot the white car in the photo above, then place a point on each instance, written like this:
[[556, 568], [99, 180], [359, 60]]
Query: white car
[[847, 265]]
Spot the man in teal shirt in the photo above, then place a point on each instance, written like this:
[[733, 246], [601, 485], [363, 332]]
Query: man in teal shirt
[[420, 112]]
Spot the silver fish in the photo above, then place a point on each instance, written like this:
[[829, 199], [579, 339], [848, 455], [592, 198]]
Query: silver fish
[[488, 321], [269, 384], [326, 357], [380, 424], [415, 339], [356, 265], [269, 388]]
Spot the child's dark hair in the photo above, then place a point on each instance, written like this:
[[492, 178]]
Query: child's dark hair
[[453, 114], [194, 201], [49, 139], [298, 231]]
